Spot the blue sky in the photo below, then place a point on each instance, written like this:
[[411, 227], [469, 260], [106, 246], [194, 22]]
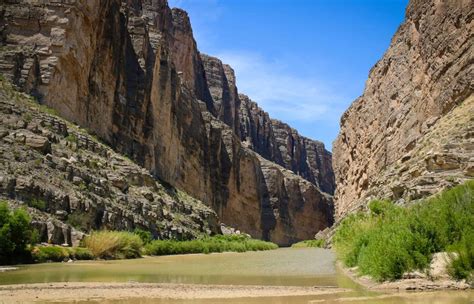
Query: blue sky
[[303, 61]]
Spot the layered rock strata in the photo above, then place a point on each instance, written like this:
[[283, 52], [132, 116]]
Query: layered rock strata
[[130, 72], [410, 134], [71, 183], [272, 139]]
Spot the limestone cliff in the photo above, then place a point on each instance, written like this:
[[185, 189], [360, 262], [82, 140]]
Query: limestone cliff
[[72, 183], [411, 133], [129, 71], [272, 139]]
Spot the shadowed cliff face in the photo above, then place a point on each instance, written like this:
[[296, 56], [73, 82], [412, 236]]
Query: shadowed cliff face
[[71, 183], [407, 136], [272, 139], [130, 72]]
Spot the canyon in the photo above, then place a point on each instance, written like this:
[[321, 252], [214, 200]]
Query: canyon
[[127, 77], [129, 73], [114, 123], [411, 133]]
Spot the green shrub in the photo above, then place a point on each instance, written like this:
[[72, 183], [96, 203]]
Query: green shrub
[[309, 244], [72, 138], [145, 236], [462, 266], [44, 254], [80, 253], [380, 207], [218, 243], [37, 203], [390, 240], [79, 220], [114, 244], [27, 117], [15, 235]]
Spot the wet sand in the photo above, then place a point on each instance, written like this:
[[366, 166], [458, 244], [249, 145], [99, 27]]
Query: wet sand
[[20, 293]]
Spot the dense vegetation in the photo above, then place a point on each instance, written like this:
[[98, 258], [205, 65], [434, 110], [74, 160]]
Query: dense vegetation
[[114, 244], [42, 254], [16, 235], [390, 240], [309, 244], [17, 243], [218, 243]]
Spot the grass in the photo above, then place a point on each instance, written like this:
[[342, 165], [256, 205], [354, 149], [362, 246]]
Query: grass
[[309, 244], [44, 254], [45, 109], [121, 244], [463, 265], [114, 244], [218, 243], [38, 204], [80, 253], [49, 254], [72, 138], [79, 220], [390, 240]]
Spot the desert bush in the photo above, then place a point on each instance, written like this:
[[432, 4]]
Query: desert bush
[[44, 254], [219, 243], [114, 244], [309, 244], [80, 253], [390, 240], [462, 266], [39, 204], [145, 236], [79, 220]]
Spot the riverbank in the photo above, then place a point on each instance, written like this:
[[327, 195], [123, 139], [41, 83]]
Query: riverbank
[[388, 241], [284, 276], [408, 284], [95, 291]]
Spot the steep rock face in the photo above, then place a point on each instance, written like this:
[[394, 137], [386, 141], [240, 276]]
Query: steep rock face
[[272, 139], [130, 72], [396, 140], [72, 183], [282, 144], [256, 130], [221, 81], [186, 58], [306, 157]]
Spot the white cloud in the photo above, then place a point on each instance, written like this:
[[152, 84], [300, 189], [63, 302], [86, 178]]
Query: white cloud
[[281, 92]]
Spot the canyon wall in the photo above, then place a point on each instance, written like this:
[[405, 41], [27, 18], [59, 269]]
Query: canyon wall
[[72, 183], [411, 132], [130, 72], [272, 139]]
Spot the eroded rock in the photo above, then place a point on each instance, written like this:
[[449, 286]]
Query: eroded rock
[[411, 126], [139, 84]]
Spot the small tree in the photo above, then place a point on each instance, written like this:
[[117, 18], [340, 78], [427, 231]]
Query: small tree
[[15, 234]]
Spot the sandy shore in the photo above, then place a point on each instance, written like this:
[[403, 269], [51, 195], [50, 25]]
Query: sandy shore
[[418, 284], [95, 291]]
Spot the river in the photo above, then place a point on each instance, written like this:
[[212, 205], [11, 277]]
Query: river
[[281, 267]]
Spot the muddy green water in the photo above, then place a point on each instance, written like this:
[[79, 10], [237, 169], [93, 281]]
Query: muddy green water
[[290, 267]]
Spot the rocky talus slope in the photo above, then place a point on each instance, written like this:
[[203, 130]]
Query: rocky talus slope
[[411, 133], [130, 72], [71, 183]]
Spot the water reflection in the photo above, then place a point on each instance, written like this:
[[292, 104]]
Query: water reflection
[[290, 267], [300, 267]]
